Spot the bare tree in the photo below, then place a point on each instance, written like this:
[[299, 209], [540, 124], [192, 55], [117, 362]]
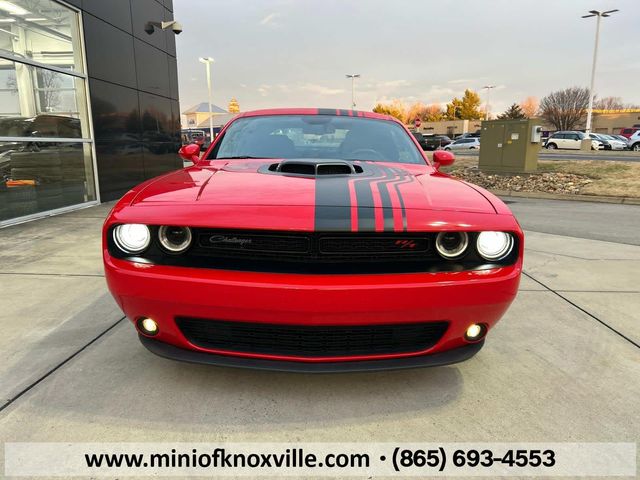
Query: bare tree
[[565, 108], [529, 106], [50, 95], [609, 103]]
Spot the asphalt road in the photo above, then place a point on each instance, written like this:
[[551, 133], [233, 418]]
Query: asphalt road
[[596, 221], [544, 155]]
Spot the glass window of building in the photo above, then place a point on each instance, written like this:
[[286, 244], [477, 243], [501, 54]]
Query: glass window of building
[[46, 151]]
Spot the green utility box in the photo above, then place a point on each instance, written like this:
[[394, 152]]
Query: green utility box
[[510, 146]]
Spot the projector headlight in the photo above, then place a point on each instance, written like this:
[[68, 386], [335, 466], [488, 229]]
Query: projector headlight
[[452, 244], [174, 239], [132, 237], [494, 245]]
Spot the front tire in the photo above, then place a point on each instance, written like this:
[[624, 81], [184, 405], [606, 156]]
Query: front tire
[[636, 147], [551, 146]]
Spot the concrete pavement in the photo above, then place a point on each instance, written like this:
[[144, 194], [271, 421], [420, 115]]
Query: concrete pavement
[[563, 364], [596, 221]]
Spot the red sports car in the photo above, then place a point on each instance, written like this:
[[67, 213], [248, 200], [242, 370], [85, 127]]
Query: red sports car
[[313, 240]]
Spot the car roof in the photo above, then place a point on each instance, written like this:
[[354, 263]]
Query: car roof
[[318, 111]]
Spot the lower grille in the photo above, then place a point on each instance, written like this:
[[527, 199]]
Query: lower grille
[[311, 341]]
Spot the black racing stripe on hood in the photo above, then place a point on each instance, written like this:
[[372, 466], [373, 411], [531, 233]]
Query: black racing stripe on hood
[[385, 198], [333, 204], [404, 178], [364, 198]]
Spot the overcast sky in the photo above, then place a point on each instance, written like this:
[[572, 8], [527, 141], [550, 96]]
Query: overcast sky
[[277, 53]]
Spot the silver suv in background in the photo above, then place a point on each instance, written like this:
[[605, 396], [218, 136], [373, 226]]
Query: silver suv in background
[[634, 141], [570, 140], [469, 143]]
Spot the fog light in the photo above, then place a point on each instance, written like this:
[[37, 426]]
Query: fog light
[[475, 332], [147, 326]]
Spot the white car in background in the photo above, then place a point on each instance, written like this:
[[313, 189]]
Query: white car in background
[[616, 143], [469, 143], [570, 140], [634, 141]]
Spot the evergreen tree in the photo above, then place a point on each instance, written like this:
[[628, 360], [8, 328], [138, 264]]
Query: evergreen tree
[[514, 112]]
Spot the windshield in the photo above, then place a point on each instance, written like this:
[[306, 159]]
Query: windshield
[[317, 136]]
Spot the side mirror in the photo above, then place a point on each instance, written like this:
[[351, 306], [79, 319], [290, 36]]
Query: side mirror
[[190, 153], [443, 158]]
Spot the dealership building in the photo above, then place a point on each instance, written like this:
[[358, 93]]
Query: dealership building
[[88, 102]]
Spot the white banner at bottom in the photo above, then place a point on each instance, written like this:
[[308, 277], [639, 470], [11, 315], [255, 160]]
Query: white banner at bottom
[[319, 459]]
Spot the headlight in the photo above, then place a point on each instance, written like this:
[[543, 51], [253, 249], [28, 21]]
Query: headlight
[[494, 245], [132, 237], [175, 239], [452, 244]]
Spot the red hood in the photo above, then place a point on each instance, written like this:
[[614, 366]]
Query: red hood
[[239, 183]]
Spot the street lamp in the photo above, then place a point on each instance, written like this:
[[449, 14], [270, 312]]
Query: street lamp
[[599, 15], [486, 109], [353, 77], [208, 61]]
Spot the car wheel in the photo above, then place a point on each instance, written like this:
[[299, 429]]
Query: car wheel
[[636, 147], [551, 146]]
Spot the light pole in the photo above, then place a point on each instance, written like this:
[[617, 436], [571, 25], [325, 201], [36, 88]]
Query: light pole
[[486, 109], [599, 15], [208, 61], [353, 77]]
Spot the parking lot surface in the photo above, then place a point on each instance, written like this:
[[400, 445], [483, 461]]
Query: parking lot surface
[[562, 365]]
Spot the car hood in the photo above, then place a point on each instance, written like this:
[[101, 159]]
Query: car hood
[[379, 185]]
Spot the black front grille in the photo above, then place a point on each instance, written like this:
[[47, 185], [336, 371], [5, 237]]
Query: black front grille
[[252, 244], [311, 247], [367, 245], [311, 341]]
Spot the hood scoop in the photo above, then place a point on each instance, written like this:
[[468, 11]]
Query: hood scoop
[[314, 168]]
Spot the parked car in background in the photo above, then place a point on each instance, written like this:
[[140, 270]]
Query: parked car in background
[[472, 143], [420, 138], [608, 142], [431, 142], [475, 134], [434, 142], [634, 141], [627, 132], [570, 140], [622, 138], [615, 142]]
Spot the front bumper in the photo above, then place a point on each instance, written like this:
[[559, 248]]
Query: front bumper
[[165, 292], [448, 357]]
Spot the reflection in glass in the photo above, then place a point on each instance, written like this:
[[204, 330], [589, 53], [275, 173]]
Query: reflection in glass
[[43, 103], [41, 30], [35, 97], [40, 176]]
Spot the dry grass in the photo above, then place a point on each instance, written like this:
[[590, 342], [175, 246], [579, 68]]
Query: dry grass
[[620, 179]]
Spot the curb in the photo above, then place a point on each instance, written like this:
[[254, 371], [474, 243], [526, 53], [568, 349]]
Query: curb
[[575, 198]]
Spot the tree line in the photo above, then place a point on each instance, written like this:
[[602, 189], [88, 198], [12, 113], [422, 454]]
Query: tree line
[[564, 109]]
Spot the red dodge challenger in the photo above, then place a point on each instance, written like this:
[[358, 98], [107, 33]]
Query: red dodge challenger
[[313, 240]]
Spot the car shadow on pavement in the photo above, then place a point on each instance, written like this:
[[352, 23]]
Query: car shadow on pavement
[[118, 382]]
